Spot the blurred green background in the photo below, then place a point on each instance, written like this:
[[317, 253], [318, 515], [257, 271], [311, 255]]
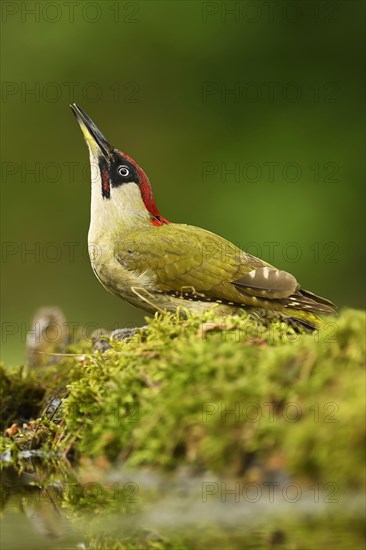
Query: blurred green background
[[191, 90]]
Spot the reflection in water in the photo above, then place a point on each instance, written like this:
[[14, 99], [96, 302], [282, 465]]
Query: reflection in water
[[26, 492], [51, 505]]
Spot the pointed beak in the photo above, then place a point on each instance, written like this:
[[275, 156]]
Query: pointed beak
[[94, 137]]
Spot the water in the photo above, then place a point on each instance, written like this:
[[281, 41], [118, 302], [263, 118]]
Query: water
[[47, 503]]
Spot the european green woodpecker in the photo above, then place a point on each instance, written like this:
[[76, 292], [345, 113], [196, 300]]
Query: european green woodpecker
[[157, 265]]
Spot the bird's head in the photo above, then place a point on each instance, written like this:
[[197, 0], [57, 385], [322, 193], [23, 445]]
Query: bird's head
[[116, 177]]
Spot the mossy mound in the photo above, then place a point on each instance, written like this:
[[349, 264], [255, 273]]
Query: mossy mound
[[183, 413], [234, 398]]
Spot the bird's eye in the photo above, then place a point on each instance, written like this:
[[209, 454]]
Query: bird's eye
[[123, 171]]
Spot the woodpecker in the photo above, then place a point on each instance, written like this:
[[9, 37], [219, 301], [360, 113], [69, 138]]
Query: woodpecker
[[157, 265]]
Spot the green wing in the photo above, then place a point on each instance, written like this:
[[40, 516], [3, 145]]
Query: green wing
[[197, 262]]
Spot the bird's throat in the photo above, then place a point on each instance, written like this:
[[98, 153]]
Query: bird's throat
[[118, 209]]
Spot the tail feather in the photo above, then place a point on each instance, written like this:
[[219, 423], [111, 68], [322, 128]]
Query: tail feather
[[319, 299], [309, 325], [307, 301]]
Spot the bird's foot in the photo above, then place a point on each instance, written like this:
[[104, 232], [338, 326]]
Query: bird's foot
[[121, 334], [102, 338]]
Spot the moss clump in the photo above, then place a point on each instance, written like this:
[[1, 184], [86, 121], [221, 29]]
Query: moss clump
[[31, 401], [234, 398], [236, 402], [223, 396]]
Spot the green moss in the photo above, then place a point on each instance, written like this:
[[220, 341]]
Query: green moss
[[165, 398], [229, 398]]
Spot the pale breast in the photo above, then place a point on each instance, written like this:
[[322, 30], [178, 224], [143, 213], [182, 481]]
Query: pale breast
[[117, 279]]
